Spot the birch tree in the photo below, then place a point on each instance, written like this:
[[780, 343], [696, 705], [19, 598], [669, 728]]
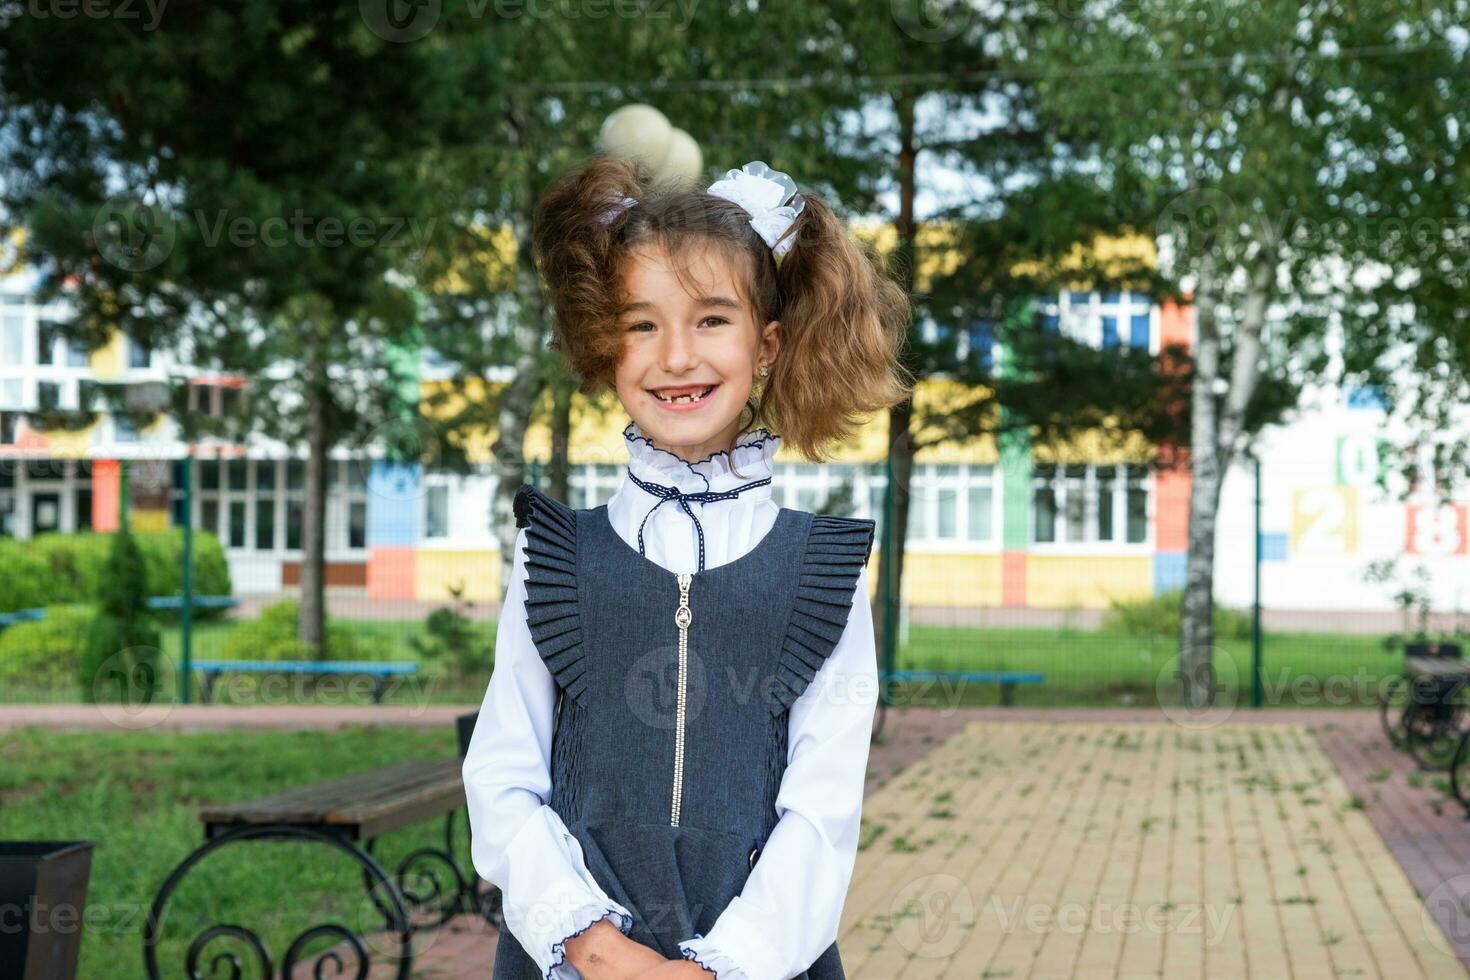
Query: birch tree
[[1253, 141]]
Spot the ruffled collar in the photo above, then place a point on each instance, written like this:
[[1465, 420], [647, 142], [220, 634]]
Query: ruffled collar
[[752, 457]]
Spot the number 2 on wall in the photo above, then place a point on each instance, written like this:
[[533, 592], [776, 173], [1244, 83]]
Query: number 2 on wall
[[1324, 521]]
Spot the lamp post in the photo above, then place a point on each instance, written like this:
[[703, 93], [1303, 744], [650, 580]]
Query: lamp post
[[640, 132]]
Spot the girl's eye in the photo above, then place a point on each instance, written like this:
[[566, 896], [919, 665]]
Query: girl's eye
[[642, 324]]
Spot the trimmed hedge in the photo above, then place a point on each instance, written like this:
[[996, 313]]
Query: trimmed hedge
[[1158, 615], [58, 569], [46, 652], [273, 637]]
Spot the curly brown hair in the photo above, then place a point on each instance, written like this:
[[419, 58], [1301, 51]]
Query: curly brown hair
[[844, 320]]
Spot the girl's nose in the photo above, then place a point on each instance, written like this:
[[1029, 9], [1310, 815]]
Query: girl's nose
[[676, 350]]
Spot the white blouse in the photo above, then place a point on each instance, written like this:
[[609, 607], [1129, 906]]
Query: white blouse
[[789, 910]]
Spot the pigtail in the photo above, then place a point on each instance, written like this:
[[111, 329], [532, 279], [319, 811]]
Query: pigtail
[[575, 232], [844, 322]]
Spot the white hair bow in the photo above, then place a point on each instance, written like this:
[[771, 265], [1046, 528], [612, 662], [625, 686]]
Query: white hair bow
[[769, 196]]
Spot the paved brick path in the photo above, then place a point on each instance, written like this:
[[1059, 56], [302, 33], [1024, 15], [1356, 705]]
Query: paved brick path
[[1423, 826], [1093, 842], [1130, 850]]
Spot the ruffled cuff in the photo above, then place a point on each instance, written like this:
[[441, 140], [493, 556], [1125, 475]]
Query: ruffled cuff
[[583, 919], [709, 956]]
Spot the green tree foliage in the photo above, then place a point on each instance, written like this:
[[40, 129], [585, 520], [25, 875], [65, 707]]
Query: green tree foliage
[[123, 661], [1267, 148], [253, 182]]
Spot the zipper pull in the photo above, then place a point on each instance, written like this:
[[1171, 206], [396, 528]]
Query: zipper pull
[[683, 616]]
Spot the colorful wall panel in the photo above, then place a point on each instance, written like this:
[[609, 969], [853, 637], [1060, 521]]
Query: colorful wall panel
[[478, 572], [390, 572], [1087, 582]]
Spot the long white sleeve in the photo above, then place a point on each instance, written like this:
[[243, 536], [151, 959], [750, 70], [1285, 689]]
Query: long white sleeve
[[790, 908], [517, 842]]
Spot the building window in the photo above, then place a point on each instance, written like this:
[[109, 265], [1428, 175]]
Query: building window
[[295, 511], [1137, 491], [139, 356], [1104, 320], [357, 524], [209, 515], [592, 485], [77, 354], [265, 524], [436, 511], [1084, 504], [237, 523], [980, 518], [48, 396], [12, 340], [47, 334], [1043, 505]]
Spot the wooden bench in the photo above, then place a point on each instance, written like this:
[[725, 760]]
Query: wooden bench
[[348, 813], [1005, 678], [381, 671]]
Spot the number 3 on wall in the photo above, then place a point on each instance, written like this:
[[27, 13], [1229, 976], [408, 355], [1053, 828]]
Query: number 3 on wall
[[1436, 530], [1324, 521]]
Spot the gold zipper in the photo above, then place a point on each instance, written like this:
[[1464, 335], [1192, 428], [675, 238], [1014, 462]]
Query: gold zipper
[[682, 617]]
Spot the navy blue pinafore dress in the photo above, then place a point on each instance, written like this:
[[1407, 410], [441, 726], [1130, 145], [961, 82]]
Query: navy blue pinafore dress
[[671, 726]]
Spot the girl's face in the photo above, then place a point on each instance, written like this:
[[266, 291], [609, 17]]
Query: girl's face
[[704, 344]]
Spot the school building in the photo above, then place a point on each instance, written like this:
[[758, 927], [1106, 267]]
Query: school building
[[991, 527]]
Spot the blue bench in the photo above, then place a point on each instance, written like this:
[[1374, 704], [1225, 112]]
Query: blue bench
[[379, 670], [176, 602], [156, 603], [1007, 679], [21, 616]]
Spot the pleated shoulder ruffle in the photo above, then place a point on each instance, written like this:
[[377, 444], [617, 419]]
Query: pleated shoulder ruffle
[[836, 551], [552, 609]]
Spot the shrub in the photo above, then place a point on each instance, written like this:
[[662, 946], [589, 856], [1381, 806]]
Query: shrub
[[60, 569], [452, 643], [124, 661], [273, 637], [46, 652], [1158, 615]]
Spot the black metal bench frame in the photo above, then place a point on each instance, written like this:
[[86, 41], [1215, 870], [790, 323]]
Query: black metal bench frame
[[352, 833]]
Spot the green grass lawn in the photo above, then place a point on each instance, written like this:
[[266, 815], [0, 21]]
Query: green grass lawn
[[1114, 669], [136, 796], [1082, 667]]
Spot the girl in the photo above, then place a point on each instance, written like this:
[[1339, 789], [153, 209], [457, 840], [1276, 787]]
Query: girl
[[647, 784]]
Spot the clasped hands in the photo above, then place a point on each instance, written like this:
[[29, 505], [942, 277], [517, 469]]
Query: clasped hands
[[602, 952]]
